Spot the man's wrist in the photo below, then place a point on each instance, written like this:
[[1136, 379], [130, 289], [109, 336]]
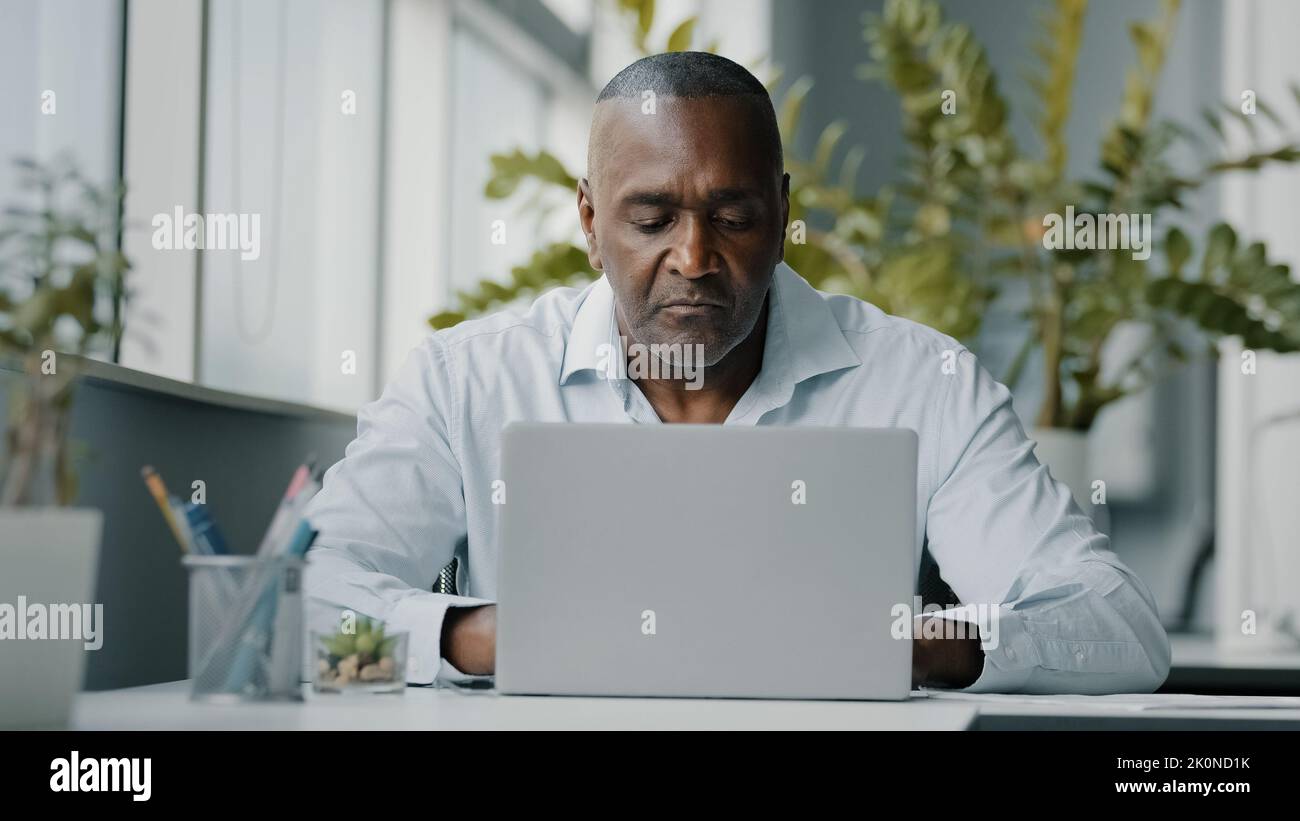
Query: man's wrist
[[466, 641], [946, 662]]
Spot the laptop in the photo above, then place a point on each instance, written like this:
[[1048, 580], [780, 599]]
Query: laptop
[[705, 561]]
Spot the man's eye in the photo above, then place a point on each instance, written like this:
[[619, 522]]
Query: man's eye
[[732, 221], [651, 226]]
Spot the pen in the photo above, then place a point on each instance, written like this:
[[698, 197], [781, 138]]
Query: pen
[[159, 492], [204, 533], [280, 522]]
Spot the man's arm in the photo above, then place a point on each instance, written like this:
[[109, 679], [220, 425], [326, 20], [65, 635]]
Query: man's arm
[[390, 515], [469, 639], [1066, 614]]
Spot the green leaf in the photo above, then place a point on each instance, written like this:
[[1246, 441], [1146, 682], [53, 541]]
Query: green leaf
[[1215, 123], [792, 108], [1267, 110], [446, 319], [680, 39], [1245, 119], [645, 18], [1147, 42], [510, 170], [850, 168], [1219, 248], [1218, 313], [1178, 249], [830, 137]]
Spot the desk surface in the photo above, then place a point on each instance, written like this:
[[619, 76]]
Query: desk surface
[[167, 707]]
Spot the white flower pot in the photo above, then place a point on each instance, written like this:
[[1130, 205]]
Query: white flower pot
[[1065, 453], [48, 556]]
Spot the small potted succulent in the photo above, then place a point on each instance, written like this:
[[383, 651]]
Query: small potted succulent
[[360, 656]]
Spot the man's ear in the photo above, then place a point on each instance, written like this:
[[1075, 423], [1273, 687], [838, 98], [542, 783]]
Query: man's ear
[[587, 217], [785, 213]]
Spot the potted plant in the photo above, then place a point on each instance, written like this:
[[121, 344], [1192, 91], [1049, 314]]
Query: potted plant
[[1004, 214], [61, 295]]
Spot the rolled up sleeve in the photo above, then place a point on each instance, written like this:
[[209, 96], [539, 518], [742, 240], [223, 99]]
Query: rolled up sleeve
[[1060, 612]]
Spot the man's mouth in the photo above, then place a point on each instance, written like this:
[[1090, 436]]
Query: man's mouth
[[690, 308]]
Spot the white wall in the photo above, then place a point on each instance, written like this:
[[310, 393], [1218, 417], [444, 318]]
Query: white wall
[[1258, 550], [415, 228], [161, 167]]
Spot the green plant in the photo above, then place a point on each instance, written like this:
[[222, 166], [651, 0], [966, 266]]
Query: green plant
[[965, 223], [362, 655], [970, 184], [61, 292]]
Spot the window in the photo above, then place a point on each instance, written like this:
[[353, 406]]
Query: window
[[292, 137], [496, 107], [508, 93], [346, 143], [576, 14], [60, 72]]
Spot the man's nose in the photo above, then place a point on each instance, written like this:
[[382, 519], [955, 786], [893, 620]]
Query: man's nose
[[692, 252]]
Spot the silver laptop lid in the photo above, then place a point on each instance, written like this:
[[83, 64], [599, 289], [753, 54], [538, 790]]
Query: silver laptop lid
[[705, 560]]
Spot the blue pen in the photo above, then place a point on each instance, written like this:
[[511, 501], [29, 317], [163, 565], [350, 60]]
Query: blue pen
[[302, 539], [204, 533]]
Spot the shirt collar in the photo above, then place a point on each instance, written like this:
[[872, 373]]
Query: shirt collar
[[593, 329], [803, 336]]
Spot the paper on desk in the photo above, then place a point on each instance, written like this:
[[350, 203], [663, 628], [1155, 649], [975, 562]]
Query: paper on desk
[[1127, 701]]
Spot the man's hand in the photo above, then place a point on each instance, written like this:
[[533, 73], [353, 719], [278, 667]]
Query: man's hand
[[941, 662], [469, 639]]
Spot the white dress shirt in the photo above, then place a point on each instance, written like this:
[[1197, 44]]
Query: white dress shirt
[[415, 486]]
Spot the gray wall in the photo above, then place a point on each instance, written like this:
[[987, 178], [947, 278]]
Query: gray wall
[[244, 455], [1158, 530]]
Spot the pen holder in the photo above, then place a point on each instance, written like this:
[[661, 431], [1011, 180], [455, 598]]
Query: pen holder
[[246, 628]]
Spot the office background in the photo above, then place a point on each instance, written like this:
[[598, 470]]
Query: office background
[[361, 131]]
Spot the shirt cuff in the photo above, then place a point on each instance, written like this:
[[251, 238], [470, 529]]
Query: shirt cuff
[[1010, 654], [422, 617]]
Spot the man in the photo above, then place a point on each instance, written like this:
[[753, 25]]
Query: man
[[685, 209]]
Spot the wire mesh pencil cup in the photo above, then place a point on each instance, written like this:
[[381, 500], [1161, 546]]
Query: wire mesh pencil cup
[[246, 628]]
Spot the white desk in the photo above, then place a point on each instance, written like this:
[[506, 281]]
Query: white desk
[[167, 707], [1129, 712]]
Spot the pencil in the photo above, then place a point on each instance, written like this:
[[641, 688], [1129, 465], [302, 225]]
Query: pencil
[[159, 492]]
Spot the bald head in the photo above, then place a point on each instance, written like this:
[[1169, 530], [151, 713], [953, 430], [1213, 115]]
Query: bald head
[[690, 75]]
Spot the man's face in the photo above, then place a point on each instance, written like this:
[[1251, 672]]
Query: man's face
[[686, 215]]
